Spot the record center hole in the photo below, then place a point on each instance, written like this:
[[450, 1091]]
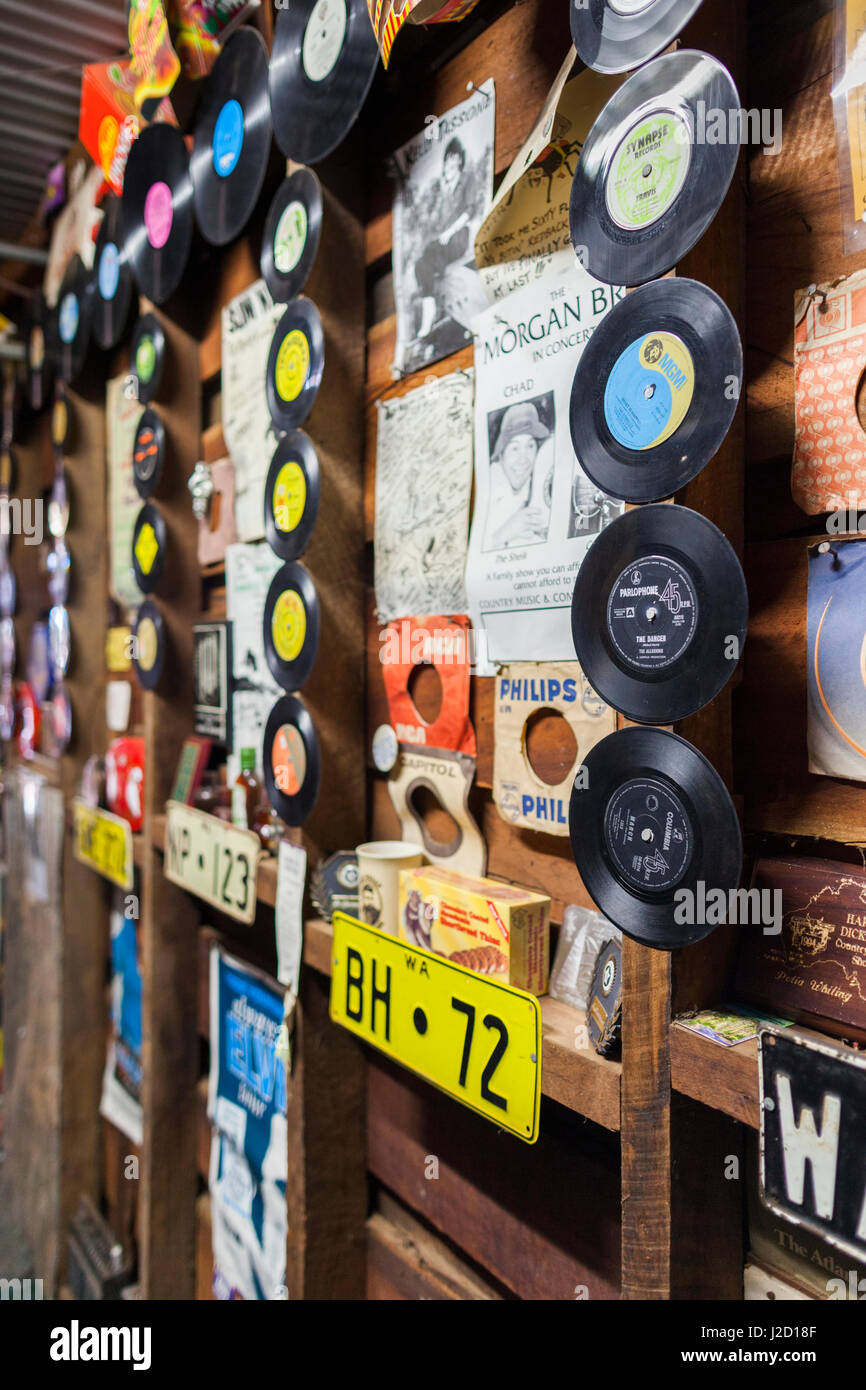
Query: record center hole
[[652, 613], [425, 691], [646, 170], [551, 746], [646, 834], [649, 392], [441, 827]]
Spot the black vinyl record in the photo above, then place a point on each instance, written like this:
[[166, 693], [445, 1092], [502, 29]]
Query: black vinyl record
[[292, 493], [112, 301], [40, 370], [292, 760], [618, 35], [659, 613], [232, 138], [650, 817], [295, 364], [292, 231], [149, 542], [291, 625], [149, 645], [147, 356], [8, 469], [656, 389], [323, 60], [649, 182], [74, 320], [158, 210], [148, 453], [61, 420]]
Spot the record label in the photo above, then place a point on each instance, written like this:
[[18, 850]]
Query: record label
[[290, 237], [293, 365], [74, 318], [108, 275], [69, 318], [158, 210], [146, 547], [149, 645], [59, 641], [323, 38], [113, 278], [148, 356], [652, 612], [148, 453], [291, 625], [648, 169], [648, 834], [292, 496], [145, 359], [228, 138], [58, 506], [289, 759], [60, 422], [292, 760], [649, 391], [158, 214]]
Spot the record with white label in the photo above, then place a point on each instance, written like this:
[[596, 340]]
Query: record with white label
[[653, 832], [291, 625], [292, 231], [656, 389], [113, 282], [292, 760], [659, 613], [74, 320], [295, 364], [147, 356], [158, 210], [292, 493], [649, 180], [618, 35], [232, 138], [149, 645], [323, 60]]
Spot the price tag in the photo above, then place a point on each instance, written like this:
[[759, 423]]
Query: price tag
[[104, 842], [474, 1038], [212, 859]]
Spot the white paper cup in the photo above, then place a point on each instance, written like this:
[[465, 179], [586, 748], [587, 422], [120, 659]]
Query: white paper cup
[[379, 865]]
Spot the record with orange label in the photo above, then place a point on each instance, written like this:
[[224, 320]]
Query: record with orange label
[[148, 453], [292, 494], [292, 760], [295, 364], [148, 548], [291, 625], [442, 643]]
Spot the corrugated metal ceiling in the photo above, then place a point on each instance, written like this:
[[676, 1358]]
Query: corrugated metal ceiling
[[43, 46]]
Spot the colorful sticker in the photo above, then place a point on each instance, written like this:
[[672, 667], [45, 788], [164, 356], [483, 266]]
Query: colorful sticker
[[228, 138], [323, 38], [289, 625], [109, 270], [148, 644], [290, 237], [293, 365], [290, 496], [146, 548], [145, 359], [289, 760], [649, 391], [648, 169], [158, 214], [69, 317]]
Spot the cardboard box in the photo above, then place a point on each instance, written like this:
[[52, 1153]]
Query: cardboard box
[[492, 928]]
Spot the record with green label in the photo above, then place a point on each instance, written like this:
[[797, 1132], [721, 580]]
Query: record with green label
[[292, 231], [147, 356]]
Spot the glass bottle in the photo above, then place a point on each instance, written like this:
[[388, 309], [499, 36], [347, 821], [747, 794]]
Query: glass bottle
[[246, 791]]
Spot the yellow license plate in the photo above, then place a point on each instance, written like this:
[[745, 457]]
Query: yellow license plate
[[474, 1038], [212, 859], [104, 842]]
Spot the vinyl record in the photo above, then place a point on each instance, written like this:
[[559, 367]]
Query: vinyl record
[[292, 494], [292, 231], [295, 364], [112, 301], [39, 660], [158, 210], [656, 389], [74, 320], [8, 588], [292, 760], [291, 625], [650, 817], [58, 563], [648, 183], [148, 453], [323, 60], [8, 646], [61, 420], [149, 645], [232, 138], [59, 642], [618, 35], [40, 371], [58, 505], [659, 613], [8, 469], [147, 356], [148, 548]]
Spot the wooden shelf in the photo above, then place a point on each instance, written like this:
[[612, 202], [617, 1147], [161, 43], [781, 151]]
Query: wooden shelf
[[724, 1078]]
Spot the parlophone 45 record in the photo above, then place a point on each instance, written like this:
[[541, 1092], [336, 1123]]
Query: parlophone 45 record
[[158, 210], [292, 760], [323, 61], [648, 183], [232, 140], [74, 319], [292, 492], [112, 278], [650, 817], [656, 389], [659, 613], [292, 232], [618, 35], [295, 364]]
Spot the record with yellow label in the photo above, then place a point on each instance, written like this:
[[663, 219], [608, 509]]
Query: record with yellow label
[[295, 364], [291, 625], [149, 645], [148, 548], [292, 494], [61, 420], [656, 389], [292, 760]]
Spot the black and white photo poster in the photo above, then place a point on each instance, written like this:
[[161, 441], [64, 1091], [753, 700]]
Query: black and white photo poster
[[444, 186], [536, 512]]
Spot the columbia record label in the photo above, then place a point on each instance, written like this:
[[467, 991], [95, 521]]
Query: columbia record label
[[149, 645], [650, 818], [291, 237], [148, 453], [656, 389], [295, 364], [232, 140], [648, 182], [147, 356], [618, 35], [292, 492], [74, 319], [158, 210], [323, 60], [291, 626], [112, 278], [659, 613], [149, 548], [292, 760]]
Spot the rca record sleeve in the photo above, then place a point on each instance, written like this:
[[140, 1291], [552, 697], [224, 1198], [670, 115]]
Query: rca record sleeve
[[656, 390], [158, 210], [650, 818], [659, 613], [618, 35], [655, 168]]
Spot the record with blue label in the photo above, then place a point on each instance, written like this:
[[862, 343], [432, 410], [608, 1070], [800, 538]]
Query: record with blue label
[[158, 210], [836, 660], [656, 389], [74, 320], [232, 138], [113, 282], [618, 35]]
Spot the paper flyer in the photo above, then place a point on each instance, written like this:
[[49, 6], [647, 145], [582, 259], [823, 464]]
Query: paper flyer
[[248, 324]]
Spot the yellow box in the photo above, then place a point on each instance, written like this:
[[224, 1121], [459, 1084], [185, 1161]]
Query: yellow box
[[490, 927]]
